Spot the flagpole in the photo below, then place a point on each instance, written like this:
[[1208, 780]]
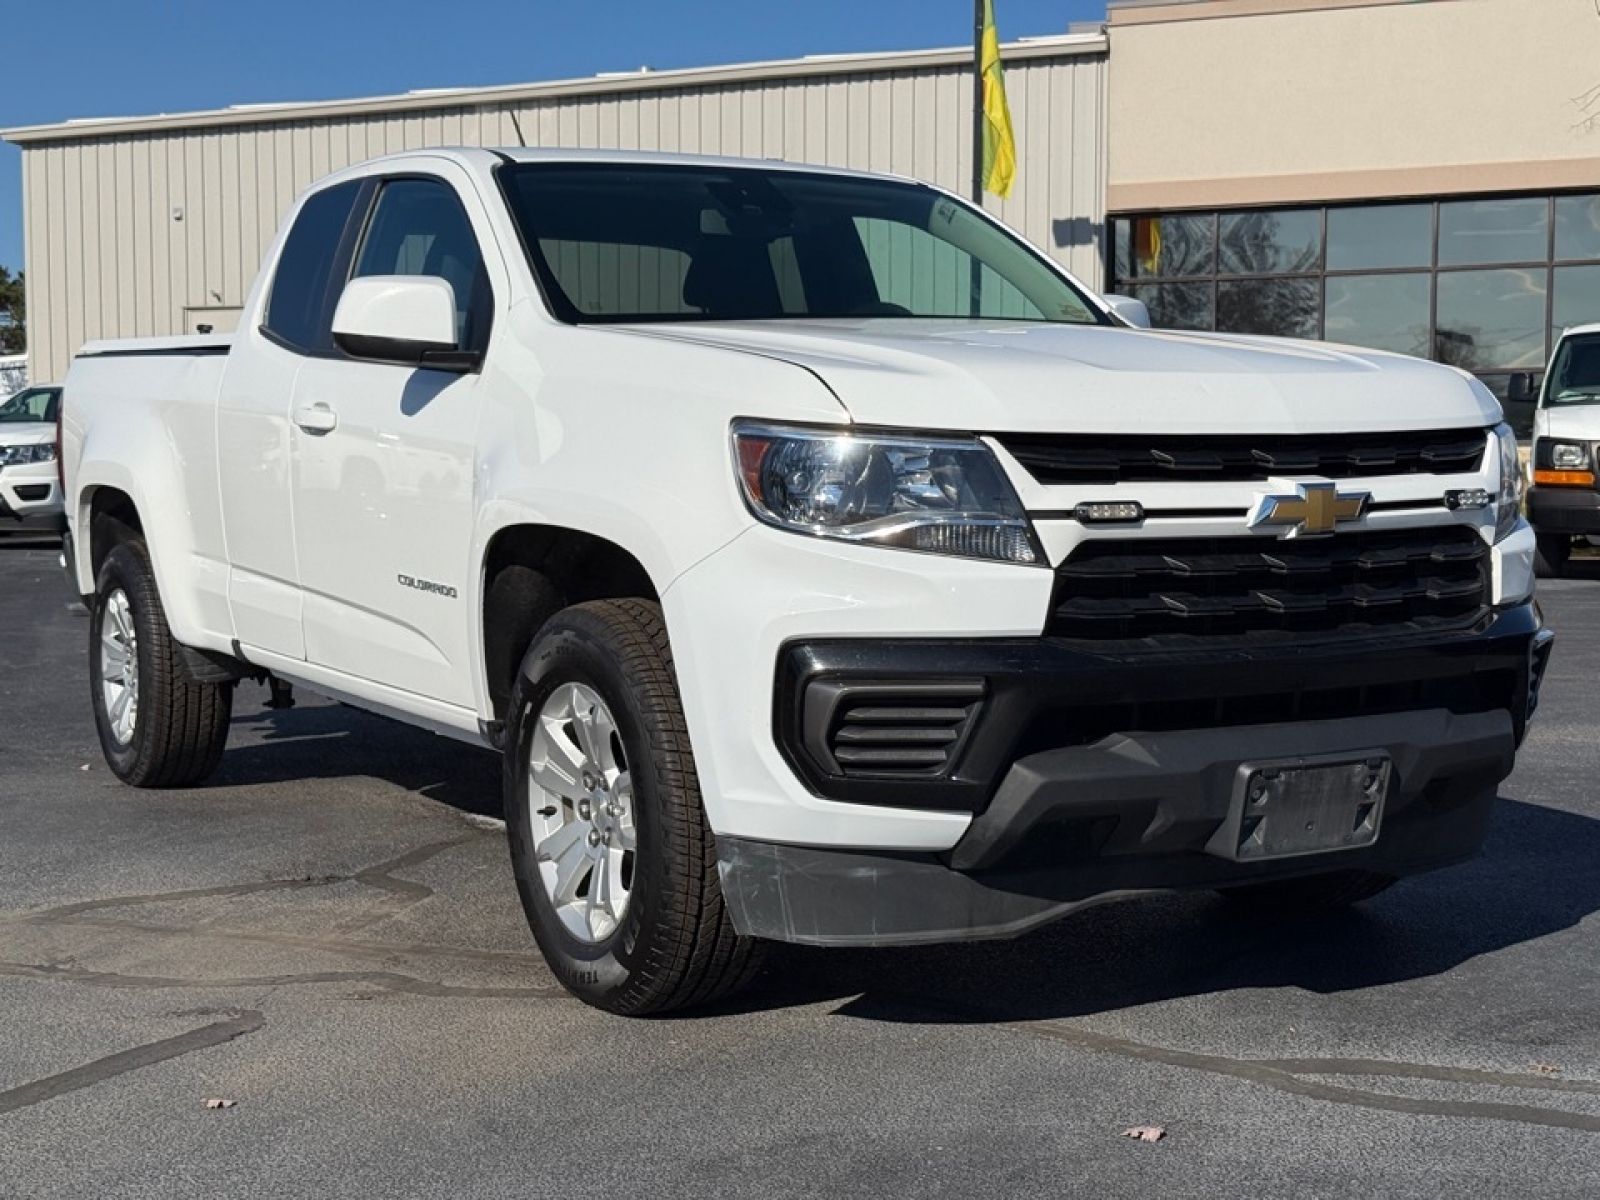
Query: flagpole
[[975, 281], [977, 102]]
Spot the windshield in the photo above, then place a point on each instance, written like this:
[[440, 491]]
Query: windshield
[[1575, 373], [31, 405], [645, 242]]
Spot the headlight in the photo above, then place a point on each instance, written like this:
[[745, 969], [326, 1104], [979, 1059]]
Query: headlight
[[944, 496], [1569, 456], [1508, 501], [15, 456]]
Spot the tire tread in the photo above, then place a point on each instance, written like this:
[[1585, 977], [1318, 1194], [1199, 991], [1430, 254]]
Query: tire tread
[[692, 954], [182, 723]]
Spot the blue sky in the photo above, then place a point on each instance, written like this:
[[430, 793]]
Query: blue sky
[[95, 58]]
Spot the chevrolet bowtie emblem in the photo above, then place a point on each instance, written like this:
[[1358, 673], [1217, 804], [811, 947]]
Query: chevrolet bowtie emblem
[[1316, 508]]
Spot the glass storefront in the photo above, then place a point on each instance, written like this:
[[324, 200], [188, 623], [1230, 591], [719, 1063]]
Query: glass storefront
[[1485, 284]]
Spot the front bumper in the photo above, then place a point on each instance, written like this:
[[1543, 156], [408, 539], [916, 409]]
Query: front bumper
[[1564, 509], [1089, 777], [30, 499]]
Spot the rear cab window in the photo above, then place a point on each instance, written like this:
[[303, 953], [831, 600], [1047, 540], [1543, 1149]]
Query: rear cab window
[[300, 305]]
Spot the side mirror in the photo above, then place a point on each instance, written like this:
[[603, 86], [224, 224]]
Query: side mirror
[[409, 320], [1519, 389], [1130, 310]]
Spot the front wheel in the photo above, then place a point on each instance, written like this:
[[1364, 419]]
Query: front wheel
[[1550, 554], [615, 863], [158, 726]]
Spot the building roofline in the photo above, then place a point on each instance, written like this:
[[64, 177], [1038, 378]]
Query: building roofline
[[609, 83]]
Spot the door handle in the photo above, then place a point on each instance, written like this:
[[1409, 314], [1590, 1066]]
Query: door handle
[[315, 418]]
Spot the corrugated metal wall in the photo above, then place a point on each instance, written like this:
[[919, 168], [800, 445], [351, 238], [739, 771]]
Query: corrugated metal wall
[[149, 233]]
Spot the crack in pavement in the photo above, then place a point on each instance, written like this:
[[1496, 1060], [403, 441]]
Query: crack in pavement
[[378, 876], [300, 941], [404, 893], [1285, 1075], [109, 1067], [392, 981], [1289, 1074]]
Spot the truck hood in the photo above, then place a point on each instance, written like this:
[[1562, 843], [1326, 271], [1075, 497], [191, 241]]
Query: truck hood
[[1007, 377], [26, 433], [1574, 422]]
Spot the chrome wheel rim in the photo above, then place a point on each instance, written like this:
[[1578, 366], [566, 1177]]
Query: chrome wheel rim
[[580, 799], [119, 667]]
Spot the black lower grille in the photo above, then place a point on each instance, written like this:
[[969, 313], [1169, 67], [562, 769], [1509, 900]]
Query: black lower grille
[[1426, 580], [889, 729]]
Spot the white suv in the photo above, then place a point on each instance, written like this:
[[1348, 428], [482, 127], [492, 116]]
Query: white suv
[[30, 491]]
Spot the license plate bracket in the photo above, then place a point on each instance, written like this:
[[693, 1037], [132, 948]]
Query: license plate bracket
[[1284, 808]]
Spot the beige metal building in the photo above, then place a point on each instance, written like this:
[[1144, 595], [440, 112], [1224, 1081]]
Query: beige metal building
[[154, 226], [1418, 175]]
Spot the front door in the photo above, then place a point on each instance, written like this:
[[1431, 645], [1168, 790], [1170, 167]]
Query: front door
[[383, 472]]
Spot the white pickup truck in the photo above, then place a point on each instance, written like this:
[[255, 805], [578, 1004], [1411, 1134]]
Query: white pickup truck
[[827, 564]]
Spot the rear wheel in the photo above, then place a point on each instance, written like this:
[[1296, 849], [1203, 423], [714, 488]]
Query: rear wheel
[[158, 727], [614, 860], [1309, 895], [1550, 555]]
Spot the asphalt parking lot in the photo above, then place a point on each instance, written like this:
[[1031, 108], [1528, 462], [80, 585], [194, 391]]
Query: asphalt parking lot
[[327, 936]]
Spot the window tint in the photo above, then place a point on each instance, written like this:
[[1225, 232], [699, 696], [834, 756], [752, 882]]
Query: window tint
[[1493, 231], [299, 310], [1385, 235], [1279, 307], [1270, 243], [1178, 305], [1175, 245], [1577, 227], [1575, 374], [605, 277], [1491, 320], [916, 272], [31, 405], [1385, 312], [1577, 298], [669, 243], [419, 228]]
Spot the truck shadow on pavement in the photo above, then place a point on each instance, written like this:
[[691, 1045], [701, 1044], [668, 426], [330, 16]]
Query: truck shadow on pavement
[[324, 740], [1537, 878]]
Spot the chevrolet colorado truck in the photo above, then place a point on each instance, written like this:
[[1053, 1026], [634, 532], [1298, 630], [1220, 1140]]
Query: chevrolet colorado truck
[[826, 564]]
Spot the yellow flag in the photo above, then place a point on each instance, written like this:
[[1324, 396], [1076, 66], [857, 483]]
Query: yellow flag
[[999, 147]]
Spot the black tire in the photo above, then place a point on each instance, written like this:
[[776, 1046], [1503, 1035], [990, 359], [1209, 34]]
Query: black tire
[[1308, 895], [176, 731], [672, 945], [1551, 553]]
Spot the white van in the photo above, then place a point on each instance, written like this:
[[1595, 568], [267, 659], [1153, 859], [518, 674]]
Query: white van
[[1564, 501]]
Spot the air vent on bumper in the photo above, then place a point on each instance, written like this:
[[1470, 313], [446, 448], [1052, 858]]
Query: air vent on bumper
[[888, 730]]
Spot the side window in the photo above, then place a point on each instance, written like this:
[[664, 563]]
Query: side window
[[31, 406], [420, 228], [299, 308]]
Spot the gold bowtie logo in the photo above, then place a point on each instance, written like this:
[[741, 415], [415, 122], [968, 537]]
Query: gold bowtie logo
[[1318, 508]]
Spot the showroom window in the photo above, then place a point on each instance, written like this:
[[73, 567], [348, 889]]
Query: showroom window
[[1485, 284]]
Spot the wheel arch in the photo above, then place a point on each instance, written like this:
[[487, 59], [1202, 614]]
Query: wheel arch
[[108, 504], [109, 514], [531, 572]]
